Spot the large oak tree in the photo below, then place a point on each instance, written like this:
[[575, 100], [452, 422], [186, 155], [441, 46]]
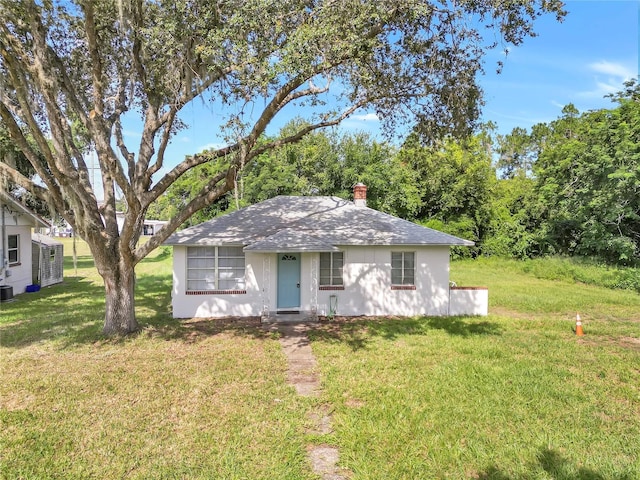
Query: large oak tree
[[92, 64]]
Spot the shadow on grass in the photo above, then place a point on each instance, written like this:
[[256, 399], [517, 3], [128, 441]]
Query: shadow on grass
[[153, 303], [195, 330], [357, 332], [558, 467], [72, 313]]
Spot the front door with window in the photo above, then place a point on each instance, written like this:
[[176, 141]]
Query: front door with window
[[288, 281]]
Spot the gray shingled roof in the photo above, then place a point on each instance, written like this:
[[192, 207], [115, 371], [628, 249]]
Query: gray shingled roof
[[309, 224]]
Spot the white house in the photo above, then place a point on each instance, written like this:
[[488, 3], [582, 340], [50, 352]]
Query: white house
[[16, 223], [315, 256]]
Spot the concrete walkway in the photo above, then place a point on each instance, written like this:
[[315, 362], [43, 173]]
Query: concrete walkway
[[302, 373]]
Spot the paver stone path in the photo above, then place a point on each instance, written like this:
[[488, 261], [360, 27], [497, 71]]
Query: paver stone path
[[303, 375]]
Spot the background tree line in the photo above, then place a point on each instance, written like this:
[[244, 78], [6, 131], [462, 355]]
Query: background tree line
[[569, 187]]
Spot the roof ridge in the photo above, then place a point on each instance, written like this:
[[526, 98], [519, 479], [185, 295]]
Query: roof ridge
[[332, 220]]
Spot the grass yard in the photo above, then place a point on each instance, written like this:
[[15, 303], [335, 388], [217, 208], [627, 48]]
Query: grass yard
[[515, 395], [195, 400]]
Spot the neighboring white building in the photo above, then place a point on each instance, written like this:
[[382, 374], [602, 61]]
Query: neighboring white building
[[149, 227], [47, 256], [317, 256], [16, 224]]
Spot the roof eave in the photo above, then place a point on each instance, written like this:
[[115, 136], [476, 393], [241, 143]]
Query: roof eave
[[292, 249], [38, 221]]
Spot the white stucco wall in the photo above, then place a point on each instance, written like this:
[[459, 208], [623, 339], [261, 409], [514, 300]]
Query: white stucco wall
[[367, 286], [219, 305], [469, 301], [18, 276]]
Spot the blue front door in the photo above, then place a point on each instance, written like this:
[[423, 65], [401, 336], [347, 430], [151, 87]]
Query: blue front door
[[288, 281]]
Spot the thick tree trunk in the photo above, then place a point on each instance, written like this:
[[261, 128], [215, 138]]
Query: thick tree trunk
[[120, 316]]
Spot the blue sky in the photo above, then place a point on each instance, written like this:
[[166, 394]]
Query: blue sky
[[577, 61]]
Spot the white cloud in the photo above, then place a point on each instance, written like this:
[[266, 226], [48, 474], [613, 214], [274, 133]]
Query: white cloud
[[609, 78], [521, 117], [367, 117], [602, 88], [614, 69], [211, 146]]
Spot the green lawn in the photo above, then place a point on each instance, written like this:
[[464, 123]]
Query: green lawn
[[515, 395]]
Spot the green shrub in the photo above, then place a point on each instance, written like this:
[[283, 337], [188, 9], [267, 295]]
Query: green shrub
[[581, 270]]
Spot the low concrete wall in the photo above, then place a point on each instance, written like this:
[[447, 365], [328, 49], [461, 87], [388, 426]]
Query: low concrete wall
[[468, 301]]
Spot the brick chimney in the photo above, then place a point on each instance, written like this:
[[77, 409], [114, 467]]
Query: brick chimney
[[360, 194]]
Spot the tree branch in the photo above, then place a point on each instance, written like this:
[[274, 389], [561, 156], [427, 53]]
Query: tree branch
[[26, 183], [186, 165], [164, 141], [96, 59], [211, 192], [304, 131]]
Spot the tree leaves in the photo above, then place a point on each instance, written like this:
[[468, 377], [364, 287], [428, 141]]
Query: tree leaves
[[589, 173]]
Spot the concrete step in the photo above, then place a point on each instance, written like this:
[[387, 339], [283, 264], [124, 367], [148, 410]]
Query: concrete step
[[290, 317]]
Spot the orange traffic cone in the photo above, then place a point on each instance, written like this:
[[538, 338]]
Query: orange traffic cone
[[579, 331]]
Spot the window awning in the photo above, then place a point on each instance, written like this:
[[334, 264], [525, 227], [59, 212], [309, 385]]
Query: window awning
[[289, 240]]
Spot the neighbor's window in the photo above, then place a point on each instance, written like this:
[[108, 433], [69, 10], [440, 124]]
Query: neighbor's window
[[331, 264], [13, 249], [215, 268], [403, 268]]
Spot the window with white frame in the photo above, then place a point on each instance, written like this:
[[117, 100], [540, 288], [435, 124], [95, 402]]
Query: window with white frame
[[403, 268], [215, 268], [331, 266], [13, 249]]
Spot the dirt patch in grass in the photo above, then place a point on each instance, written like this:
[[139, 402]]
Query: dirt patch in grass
[[633, 342], [630, 343], [354, 403]]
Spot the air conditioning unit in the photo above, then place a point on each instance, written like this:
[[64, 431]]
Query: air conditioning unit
[[6, 293]]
